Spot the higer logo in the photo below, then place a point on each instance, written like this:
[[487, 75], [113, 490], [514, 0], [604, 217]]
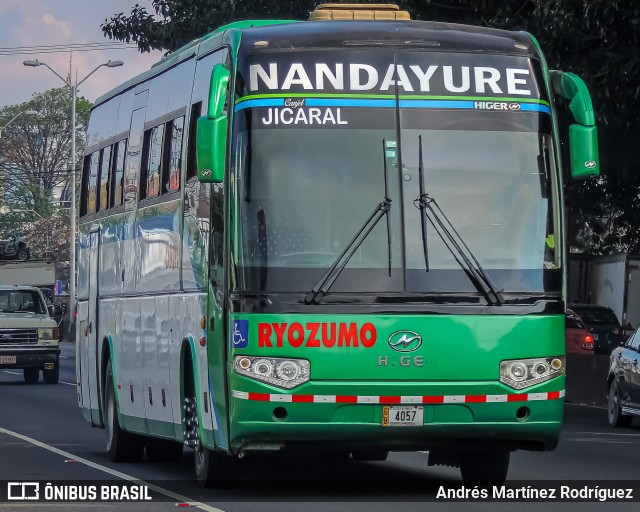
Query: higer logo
[[316, 334]]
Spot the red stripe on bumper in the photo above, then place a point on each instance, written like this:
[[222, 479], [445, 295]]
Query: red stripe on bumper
[[433, 399]]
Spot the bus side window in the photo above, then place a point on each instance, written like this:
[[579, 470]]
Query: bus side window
[[151, 163], [84, 190], [196, 112], [92, 182], [105, 166], [132, 161], [171, 177], [117, 177]]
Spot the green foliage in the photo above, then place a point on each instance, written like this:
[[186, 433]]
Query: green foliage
[[597, 40], [170, 24]]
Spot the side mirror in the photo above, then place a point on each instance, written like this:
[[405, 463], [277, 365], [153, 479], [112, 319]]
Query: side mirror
[[211, 141], [583, 147], [583, 136], [211, 130]]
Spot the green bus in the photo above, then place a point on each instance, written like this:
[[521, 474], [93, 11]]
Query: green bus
[[343, 234]]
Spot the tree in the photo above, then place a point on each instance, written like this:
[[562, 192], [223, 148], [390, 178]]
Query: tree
[[35, 161], [173, 23], [597, 40]]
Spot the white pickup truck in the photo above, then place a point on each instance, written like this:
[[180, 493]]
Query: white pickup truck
[[28, 334]]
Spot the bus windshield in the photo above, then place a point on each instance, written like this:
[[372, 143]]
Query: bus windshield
[[308, 169]]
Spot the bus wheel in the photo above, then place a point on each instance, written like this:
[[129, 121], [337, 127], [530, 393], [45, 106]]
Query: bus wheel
[[211, 467], [489, 466], [31, 375], [370, 455], [614, 411], [122, 446], [163, 450]]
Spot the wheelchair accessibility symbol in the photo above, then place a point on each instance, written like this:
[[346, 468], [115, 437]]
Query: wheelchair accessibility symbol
[[240, 334]]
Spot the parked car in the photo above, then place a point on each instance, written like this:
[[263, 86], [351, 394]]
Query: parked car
[[624, 382], [578, 339], [14, 248], [603, 324]]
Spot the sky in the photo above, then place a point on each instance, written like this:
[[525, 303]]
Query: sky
[[57, 22]]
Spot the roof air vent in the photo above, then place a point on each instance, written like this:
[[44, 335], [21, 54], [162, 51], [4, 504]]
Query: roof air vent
[[358, 12]]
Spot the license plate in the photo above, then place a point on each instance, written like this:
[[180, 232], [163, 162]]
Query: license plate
[[394, 416], [7, 359]]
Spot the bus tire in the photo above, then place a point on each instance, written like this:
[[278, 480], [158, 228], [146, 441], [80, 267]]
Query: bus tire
[[489, 466], [163, 450], [370, 455], [614, 409], [122, 446], [212, 468], [53, 375], [31, 375]]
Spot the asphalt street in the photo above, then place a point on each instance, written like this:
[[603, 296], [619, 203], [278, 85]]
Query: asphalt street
[[44, 437]]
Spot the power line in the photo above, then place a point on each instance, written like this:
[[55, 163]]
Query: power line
[[62, 48]]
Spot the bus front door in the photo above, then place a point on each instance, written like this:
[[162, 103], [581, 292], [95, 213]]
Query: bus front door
[[88, 342]]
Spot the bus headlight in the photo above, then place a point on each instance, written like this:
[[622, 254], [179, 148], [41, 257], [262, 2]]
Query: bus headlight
[[280, 372], [523, 373]]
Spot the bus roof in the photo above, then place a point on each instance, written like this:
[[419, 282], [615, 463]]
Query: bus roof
[[288, 34]]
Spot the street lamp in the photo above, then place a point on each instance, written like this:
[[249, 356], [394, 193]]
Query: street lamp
[[74, 92], [25, 112]]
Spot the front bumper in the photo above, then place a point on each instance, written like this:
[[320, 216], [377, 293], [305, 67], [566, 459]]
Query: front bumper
[[349, 415], [32, 357]]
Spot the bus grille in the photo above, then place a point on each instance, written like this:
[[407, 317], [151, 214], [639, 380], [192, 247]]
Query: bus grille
[[18, 337]]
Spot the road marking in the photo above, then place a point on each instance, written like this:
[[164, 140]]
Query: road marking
[[112, 472], [600, 440], [607, 434], [12, 373]]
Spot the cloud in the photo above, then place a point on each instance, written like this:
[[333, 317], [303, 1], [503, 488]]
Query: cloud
[[50, 20], [54, 22]]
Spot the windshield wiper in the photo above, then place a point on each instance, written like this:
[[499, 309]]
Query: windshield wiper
[[423, 213], [330, 276], [452, 240]]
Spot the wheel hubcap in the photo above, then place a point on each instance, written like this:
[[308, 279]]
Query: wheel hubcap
[[192, 430]]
